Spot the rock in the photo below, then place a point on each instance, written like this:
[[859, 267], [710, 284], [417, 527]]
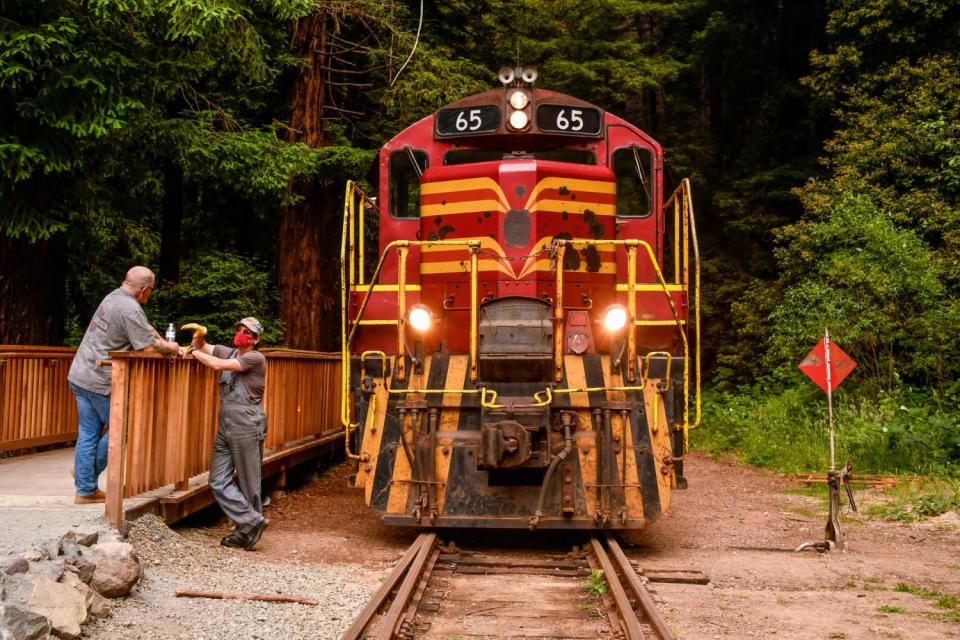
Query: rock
[[13, 564], [81, 568], [52, 549], [63, 605], [52, 570], [70, 549], [117, 570], [17, 587], [34, 555], [97, 605], [82, 539], [20, 623]]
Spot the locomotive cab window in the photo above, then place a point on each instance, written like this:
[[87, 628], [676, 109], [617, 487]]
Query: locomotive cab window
[[632, 167], [406, 167]]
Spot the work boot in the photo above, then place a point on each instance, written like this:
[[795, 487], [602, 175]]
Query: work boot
[[234, 540], [98, 496], [254, 537]]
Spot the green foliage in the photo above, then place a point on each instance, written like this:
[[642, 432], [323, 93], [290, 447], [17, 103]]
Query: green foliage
[[597, 584], [902, 432], [886, 608], [874, 284], [216, 290], [914, 500], [940, 600]]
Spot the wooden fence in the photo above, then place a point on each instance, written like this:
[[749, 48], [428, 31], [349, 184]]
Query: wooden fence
[[36, 405], [163, 421]]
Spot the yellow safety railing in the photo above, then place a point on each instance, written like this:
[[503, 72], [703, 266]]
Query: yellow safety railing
[[351, 274], [681, 203]]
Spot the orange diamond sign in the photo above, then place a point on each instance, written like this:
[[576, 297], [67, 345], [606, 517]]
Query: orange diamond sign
[[815, 365]]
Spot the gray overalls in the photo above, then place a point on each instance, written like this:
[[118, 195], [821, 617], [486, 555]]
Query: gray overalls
[[239, 445]]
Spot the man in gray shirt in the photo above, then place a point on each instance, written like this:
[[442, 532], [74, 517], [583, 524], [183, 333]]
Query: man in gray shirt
[[119, 324]]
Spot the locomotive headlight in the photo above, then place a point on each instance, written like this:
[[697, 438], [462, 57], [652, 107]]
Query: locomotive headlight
[[615, 318], [518, 120], [420, 318], [519, 99]]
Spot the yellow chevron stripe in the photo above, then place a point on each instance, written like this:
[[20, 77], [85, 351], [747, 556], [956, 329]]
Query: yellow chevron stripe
[[574, 207], [544, 265], [486, 243], [465, 206], [463, 266], [467, 184], [591, 186]]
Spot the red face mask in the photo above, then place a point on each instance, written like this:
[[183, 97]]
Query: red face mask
[[242, 340]]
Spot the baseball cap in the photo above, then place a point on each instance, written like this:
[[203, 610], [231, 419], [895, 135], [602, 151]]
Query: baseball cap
[[251, 323]]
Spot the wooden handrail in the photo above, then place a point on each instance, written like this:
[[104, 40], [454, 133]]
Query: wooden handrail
[[163, 416], [37, 407]]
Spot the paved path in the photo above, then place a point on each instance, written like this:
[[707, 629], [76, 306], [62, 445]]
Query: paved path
[[36, 500]]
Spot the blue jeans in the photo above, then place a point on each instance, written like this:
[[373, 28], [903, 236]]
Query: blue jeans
[[91, 453]]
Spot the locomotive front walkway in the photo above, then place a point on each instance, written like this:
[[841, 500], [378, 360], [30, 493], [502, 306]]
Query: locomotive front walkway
[[36, 500]]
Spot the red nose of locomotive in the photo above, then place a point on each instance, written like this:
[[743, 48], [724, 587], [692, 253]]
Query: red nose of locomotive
[[516, 207]]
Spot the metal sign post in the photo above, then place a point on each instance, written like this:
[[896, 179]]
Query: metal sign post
[[826, 351], [827, 365]]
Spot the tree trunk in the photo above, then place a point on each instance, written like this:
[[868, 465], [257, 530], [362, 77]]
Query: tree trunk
[[171, 224], [32, 288], [307, 269]]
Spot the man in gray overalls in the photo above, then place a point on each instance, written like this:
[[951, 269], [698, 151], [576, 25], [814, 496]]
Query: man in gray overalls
[[241, 430]]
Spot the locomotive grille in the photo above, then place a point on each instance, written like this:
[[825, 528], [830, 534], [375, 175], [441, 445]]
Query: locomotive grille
[[516, 340]]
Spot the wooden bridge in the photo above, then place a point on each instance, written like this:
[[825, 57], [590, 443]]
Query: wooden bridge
[[163, 421]]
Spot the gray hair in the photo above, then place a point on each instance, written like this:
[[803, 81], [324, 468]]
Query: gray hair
[[139, 278]]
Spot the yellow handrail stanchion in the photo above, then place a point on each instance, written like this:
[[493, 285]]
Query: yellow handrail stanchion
[[474, 329], [632, 312], [558, 314], [401, 311]]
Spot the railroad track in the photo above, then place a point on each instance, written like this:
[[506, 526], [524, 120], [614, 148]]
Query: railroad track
[[435, 589]]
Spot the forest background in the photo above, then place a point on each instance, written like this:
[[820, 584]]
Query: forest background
[[211, 139]]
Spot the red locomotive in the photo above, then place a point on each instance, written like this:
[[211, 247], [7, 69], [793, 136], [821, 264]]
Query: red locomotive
[[520, 353]]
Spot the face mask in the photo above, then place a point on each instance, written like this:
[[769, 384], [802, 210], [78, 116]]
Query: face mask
[[242, 340]]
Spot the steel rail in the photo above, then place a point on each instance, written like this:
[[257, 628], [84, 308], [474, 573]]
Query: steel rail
[[628, 617], [390, 622], [650, 612], [411, 564]]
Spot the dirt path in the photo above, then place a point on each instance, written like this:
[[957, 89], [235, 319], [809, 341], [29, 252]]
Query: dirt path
[[736, 524]]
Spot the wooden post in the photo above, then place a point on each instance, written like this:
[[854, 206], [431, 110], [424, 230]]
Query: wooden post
[[116, 452]]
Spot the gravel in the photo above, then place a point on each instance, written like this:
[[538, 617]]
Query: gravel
[[173, 562]]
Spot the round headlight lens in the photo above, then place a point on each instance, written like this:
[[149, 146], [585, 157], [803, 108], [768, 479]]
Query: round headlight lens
[[420, 318], [518, 120], [518, 100], [615, 318]]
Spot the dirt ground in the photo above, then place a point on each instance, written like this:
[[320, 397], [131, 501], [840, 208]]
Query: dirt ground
[[736, 524]]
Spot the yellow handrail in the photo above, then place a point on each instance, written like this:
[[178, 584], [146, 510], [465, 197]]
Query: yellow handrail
[[349, 270], [681, 200]]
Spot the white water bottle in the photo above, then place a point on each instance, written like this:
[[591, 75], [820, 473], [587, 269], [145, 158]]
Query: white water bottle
[[171, 333]]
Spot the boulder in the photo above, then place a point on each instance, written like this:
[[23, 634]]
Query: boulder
[[13, 564], [20, 623], [117, 570], [62, 604], [97, 605]]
